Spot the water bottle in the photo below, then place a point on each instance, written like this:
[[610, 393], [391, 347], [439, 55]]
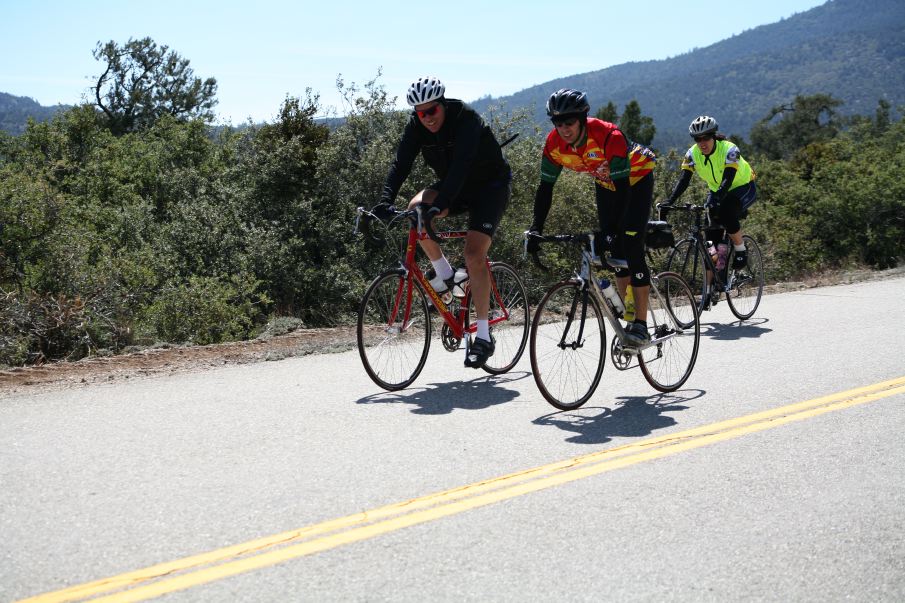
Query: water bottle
[[460, 281], [712, 251], [609, 292], [629, 315], [722, 252]]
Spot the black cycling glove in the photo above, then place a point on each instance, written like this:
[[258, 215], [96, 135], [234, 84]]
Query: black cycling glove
[[384, 210]]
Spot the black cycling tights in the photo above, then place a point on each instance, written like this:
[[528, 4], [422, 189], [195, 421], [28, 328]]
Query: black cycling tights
[[627, 222]]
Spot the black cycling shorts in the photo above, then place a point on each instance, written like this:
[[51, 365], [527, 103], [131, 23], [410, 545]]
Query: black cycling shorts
[[485, 206]]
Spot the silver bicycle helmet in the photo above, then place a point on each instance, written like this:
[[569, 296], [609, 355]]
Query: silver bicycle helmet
[[703, 125], [425, 90], [567, 102]]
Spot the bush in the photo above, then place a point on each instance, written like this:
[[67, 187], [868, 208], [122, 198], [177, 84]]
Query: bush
[[38, 328], [207, 310]]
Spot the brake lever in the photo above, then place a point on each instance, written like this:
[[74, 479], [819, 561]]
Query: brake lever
[[358, 212], [426, 225]]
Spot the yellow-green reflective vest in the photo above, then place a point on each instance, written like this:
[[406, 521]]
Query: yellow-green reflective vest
[[710, 168]]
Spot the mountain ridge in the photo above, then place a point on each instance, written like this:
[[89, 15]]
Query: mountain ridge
[[838, 48], [15, 111]]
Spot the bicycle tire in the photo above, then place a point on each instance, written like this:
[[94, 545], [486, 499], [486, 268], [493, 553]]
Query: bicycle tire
[[747, 283], [511, 335], [393, 355], [687, 259], [672, 314], [567, 371]]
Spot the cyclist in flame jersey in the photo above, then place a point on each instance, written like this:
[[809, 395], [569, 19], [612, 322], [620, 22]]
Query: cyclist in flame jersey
[[623, 185]]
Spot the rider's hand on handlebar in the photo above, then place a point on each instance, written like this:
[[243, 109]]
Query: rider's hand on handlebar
[[384, 211]]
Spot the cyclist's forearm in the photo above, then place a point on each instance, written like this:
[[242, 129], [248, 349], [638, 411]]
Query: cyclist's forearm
[[543, 200], [401, 167], [680, 186], [726, 184]]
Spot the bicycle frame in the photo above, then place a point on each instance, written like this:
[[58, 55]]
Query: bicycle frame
[[587, 282], [409, 265], [585, 277], [701, 223]]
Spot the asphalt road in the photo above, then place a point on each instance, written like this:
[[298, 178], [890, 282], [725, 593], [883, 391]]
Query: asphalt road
[[767, 477]]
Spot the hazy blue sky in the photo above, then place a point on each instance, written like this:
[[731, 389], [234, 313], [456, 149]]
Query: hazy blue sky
[[262, 51]]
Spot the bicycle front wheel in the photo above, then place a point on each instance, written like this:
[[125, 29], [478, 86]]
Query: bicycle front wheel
[[672, 317], [568, 345], [687, 260], [507, 296], [394, 330], [746, 284]]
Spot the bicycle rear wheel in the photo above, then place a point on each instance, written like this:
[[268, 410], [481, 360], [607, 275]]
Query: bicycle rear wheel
[[568, 345], [687, 260], [394, 330], [509, 334], [676, 330], [748, 283]]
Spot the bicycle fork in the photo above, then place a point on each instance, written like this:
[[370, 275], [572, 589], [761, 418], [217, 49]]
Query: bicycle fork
[[578, 342]]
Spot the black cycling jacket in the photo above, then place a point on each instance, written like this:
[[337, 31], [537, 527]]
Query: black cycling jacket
[[464, 154]]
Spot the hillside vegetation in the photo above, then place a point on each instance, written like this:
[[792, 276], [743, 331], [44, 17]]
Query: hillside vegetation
[[164, 234]]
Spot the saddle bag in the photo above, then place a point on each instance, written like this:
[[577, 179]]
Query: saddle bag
[[659, 235]]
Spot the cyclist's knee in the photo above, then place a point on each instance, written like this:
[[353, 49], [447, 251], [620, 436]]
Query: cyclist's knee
[[427, 195], [477, 244], [641, 277]]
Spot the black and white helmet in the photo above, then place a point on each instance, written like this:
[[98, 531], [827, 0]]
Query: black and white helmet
[[567, 102], [425, 90], [703, 125]]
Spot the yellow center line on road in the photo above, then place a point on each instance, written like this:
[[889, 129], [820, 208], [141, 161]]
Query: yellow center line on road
[[215, 565]]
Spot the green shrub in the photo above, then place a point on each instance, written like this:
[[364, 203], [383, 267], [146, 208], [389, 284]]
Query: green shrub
[[206, 310]]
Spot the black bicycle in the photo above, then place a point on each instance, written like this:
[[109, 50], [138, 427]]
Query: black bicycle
[[692, 258]]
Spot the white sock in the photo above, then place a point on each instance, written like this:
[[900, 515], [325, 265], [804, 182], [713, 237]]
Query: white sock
[[483, 330], [739, 247], [442, 267]]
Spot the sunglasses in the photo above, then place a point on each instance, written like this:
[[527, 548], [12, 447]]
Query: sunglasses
[[429, 111], [702, 138], [565, 122]]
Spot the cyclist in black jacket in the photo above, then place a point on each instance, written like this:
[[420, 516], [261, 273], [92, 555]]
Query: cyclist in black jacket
[[473, 176]]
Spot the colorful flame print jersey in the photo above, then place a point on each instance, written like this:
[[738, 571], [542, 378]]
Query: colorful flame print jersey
[[605, 153]]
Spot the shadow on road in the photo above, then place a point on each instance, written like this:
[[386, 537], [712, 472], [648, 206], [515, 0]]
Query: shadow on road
[[739, 329], [442, 398], [633, 417]]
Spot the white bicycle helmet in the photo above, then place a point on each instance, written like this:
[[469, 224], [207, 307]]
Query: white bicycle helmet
[[425, 90], [702, 125]]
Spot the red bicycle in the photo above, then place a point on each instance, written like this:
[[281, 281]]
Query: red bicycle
[[394, 319]]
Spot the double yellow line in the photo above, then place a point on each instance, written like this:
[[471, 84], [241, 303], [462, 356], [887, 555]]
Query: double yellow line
[[215, 565]]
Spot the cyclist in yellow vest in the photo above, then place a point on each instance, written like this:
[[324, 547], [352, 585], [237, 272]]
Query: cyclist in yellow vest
[[730, 179]]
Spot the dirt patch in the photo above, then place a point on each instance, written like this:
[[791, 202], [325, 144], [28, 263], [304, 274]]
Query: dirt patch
[[159, 361]]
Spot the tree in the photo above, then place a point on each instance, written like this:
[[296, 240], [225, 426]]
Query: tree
[[808, 119], [143, 81], [608, 113], [639, 128], [882, 120]]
